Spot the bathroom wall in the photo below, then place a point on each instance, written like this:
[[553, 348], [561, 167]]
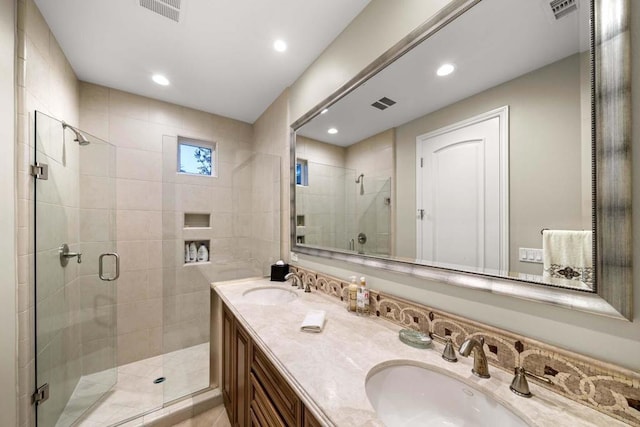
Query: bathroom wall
[[269, 132], [44, 82], [581, 332], [544, 135], [8, 362]]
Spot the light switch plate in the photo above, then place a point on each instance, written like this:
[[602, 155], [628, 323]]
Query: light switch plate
[[531, 255]]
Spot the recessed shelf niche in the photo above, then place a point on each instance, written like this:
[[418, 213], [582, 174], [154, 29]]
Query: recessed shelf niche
[[197, 220], [198, 243]]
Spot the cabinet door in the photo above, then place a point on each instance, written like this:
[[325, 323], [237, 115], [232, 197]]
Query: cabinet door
[[309, 419], [227, 363], [241, 376]]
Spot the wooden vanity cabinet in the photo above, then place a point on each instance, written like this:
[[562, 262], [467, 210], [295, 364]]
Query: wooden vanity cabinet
[[235, 372], [253, 391]]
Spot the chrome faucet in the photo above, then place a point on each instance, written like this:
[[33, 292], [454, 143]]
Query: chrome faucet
[[480, 365], [295, 280]]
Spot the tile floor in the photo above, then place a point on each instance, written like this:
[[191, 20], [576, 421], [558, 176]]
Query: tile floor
[[216, 417], [186, 371]]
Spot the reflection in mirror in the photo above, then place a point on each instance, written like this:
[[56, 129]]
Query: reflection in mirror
[[471, 152]]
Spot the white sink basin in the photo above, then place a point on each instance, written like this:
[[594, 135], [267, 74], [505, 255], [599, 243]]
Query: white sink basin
[[408, 395], [270, 295]]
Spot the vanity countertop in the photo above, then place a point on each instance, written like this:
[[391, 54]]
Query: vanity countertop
[[328, 370]]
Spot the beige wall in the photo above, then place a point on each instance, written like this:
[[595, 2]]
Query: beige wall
[[585, 333], [45, 82], [545, 157], [271, 136], [8, 361]]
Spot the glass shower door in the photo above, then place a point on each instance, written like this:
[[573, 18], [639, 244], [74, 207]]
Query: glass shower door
[[76, 267]]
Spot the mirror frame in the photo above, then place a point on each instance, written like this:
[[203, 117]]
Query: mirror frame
[[611, 172]]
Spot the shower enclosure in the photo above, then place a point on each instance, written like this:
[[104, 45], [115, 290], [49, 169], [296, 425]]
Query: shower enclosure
[[339, 209], [122, 320], [75, 271]]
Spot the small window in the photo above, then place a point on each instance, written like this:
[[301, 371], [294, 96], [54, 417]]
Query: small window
[[302, 172], [197, 157]]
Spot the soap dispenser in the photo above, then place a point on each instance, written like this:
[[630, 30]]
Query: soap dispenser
[[352, 295], [362, 302]]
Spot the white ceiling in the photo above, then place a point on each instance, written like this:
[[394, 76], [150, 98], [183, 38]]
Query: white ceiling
[[493, 42], [219, 57]]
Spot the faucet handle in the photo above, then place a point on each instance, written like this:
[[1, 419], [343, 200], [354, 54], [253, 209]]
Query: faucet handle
[[448, 354], [520, 385]]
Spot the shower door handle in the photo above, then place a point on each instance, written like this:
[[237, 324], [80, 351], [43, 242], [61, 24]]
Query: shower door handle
[[100, 267]]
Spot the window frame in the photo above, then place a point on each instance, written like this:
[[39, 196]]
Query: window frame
[[198, 143]]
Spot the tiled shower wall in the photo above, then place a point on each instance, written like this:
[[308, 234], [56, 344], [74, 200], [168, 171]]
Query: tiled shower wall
[[44, 82], [151, 200], [373, 157]]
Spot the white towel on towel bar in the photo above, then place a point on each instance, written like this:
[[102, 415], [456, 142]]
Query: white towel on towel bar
[[567, 254], [314, 321]]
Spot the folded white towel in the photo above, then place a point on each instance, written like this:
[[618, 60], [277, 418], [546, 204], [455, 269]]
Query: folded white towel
[[313, 322], [566, 254]]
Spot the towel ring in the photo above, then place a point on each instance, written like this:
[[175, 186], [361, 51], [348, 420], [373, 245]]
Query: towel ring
[[543, 230]]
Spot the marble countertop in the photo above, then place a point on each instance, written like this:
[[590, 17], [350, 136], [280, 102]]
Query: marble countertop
[[328, 370]]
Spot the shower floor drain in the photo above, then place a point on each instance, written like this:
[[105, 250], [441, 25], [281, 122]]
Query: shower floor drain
[[159, 380]]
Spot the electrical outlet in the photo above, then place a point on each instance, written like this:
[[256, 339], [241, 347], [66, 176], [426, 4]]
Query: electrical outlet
[[293, 256]]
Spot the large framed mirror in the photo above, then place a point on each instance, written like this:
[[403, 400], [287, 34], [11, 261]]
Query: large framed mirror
[[489, 149]]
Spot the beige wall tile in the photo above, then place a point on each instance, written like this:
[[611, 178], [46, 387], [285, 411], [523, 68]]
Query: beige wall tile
[[133, 346], [138, 315], [94, 98], [138, 225], [133, 255], [97, 192], [166, 114], [139, 164], [36, 28], [95, 225], [139, 195], [132, 286], [96, 123], [128, 105], [133, 133]]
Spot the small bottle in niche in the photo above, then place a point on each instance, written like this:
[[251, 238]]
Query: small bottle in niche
[[203, 253], [187, 258], [193, 252], [362, 301], [352, 295]]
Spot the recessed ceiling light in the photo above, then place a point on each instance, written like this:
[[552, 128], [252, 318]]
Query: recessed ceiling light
[[332, 131], [324, 111], [160, 79], [445, 70], [280, 45]]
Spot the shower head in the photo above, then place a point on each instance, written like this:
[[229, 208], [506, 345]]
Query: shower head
[[80, 138], [360, 180]]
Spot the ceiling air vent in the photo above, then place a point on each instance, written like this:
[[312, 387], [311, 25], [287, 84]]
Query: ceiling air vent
[[167, 8], [383, 103], [561, 8]]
